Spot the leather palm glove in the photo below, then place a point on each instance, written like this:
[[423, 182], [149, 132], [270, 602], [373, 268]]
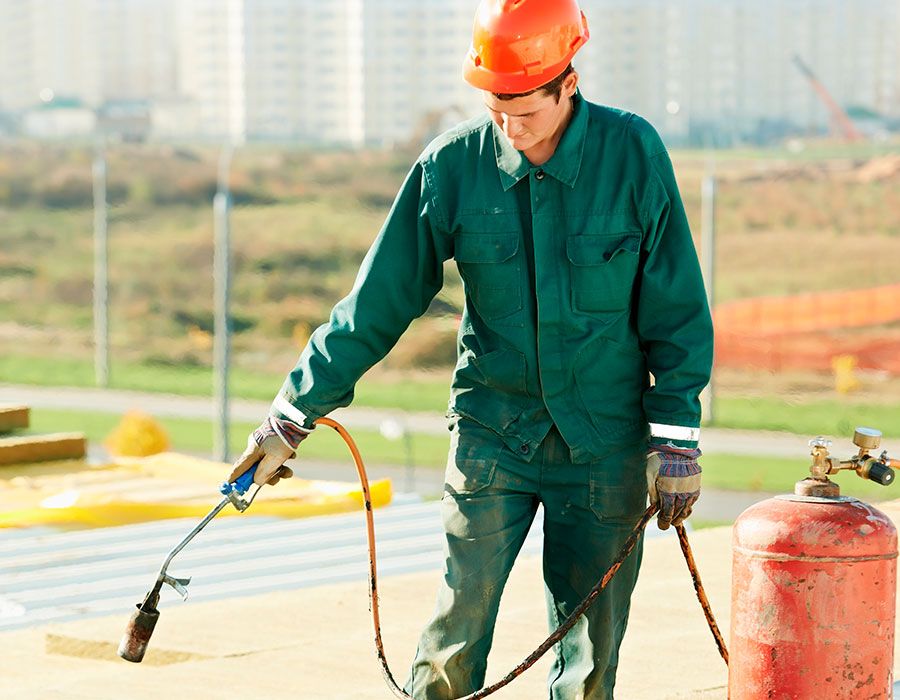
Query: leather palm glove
[[271, 444], [673, 480]]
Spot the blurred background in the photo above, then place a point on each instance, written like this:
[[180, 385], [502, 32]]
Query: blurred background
[[123, 121]]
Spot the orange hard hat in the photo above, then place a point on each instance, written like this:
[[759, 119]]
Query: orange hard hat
[[519, 45]]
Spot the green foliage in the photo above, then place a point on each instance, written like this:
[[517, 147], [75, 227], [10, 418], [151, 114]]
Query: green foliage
[[301, 224], [69, 193], [17, 270], [303, 220], [205, 321]]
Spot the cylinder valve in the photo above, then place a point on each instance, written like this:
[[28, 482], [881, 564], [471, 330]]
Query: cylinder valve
[[878, 469]]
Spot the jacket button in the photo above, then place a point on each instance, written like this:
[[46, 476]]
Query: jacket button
[[539, 174], [524, 449]]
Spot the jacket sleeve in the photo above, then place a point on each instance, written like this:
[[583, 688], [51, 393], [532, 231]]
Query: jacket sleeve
[[673, 315], [400, 275]]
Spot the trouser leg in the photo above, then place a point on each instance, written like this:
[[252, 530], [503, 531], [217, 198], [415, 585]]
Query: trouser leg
[[589, 512], [486, 514]]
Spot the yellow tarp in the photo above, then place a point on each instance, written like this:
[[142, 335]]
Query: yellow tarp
[[77, 494]]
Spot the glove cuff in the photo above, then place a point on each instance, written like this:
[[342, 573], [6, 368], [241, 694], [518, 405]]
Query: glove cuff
[[669, 449], [676, 463]]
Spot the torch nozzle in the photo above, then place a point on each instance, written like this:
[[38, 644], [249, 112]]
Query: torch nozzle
[[137, 635]]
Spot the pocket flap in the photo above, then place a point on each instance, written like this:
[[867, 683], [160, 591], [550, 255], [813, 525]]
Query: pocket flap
[[596, 249], [486, 247]]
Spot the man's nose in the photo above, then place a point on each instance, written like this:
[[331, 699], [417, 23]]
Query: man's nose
[[512, 127]]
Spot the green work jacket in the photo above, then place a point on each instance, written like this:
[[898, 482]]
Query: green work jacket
[[577, 289]]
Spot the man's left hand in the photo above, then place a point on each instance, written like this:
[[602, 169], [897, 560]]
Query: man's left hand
[[673, 480]]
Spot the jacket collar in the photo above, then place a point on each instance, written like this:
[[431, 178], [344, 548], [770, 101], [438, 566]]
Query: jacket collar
[[564, 164]]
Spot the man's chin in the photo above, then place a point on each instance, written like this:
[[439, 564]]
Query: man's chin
[[520, 144]]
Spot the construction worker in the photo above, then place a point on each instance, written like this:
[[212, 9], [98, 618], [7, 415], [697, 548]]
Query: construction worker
[[581, 281]]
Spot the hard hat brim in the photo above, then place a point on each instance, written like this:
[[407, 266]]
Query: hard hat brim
[[510, 83]]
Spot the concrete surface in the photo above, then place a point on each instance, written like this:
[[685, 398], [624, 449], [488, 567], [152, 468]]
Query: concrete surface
[[317, 642]]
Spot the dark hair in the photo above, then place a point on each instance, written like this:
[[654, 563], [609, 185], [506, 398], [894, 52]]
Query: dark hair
[[554, 87]]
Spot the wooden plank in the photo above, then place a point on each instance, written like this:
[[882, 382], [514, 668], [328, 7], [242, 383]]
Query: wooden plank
[[13, 417], [42, 448]]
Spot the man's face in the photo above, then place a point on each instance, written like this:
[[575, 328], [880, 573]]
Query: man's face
[[533, 120]]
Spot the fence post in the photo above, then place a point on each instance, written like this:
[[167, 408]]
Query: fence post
[[101, 270], [221, 299], [707, 264]]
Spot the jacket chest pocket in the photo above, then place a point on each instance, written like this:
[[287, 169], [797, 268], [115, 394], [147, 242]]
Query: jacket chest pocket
[[603, 269], [491, 271]]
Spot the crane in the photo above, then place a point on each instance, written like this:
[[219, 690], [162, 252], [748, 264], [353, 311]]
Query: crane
[[838, 115]]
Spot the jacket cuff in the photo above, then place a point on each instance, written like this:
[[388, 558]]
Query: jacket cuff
[[282, 408], [678, 436]]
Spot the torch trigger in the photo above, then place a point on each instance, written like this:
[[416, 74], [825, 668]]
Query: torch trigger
[[179, 584]]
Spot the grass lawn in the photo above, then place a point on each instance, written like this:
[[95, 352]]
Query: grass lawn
[[808, 417], [374, 390], [429, 393]]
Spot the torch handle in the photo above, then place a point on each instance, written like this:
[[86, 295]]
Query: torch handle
[[241, 484]]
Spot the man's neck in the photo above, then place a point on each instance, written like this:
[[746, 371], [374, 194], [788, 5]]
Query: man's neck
[[542, 152]]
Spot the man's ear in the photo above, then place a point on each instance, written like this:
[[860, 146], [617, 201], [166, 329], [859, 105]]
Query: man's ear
[[570, 84]]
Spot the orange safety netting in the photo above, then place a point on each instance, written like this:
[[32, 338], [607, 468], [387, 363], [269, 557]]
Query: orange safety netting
[[807, 351], [808, 331], [810, 312]]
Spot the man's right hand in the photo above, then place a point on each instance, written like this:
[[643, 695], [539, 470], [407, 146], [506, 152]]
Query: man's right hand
[[271, 444]]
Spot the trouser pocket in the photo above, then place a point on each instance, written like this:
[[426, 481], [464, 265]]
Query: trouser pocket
[[619, 483], [474, 452]]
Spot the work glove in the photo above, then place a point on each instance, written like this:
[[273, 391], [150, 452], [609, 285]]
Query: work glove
[[673, 480], [271, 444]]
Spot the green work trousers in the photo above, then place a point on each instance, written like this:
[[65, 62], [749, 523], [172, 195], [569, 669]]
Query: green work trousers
[[490, 498]]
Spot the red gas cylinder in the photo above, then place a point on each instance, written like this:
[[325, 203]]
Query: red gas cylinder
[[812, 601]]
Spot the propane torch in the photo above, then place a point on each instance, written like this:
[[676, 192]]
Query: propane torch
[[134, 642]]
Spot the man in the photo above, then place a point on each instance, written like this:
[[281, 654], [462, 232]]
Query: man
[[581, 281]]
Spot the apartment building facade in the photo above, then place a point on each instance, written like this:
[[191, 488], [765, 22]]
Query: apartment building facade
[[354, 72]]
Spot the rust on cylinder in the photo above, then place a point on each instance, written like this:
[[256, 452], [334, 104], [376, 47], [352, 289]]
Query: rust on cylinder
[[813, 601], [137, 635]]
